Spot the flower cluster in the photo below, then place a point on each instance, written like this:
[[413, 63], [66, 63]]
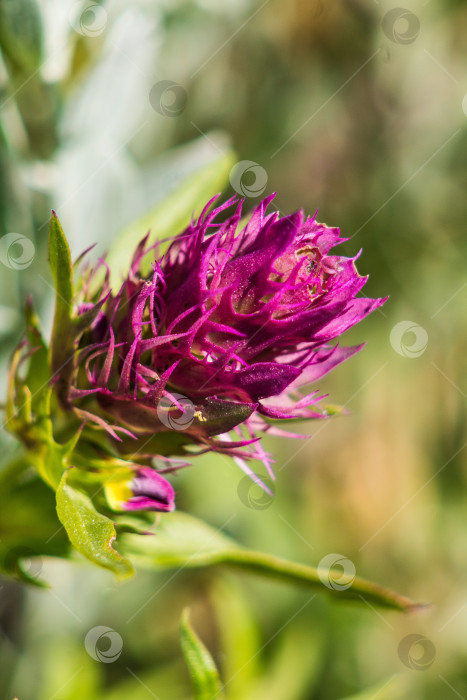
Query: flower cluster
[[232, 318]]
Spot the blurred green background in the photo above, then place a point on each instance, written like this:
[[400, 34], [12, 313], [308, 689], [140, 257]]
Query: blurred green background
[[357, 108]]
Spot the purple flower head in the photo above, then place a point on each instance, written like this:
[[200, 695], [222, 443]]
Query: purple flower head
[[143, 489], [233, 318]]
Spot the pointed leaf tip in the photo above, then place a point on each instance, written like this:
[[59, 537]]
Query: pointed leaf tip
[[60, 263], [62, 341], [203, 671]]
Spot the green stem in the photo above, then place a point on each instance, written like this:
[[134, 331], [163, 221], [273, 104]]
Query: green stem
[[291, 572], [288, 571]]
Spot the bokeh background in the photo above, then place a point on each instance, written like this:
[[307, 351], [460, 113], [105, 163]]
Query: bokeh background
[[358, 108]]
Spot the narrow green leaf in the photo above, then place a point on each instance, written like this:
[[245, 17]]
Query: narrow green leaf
[[170, 216], [90, 532], [203, 671], [182, 540], [61, 266], [63, 336]]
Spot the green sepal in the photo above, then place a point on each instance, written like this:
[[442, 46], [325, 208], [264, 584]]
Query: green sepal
[[50, 458], [84, 321], [208, 418], [217, 416]]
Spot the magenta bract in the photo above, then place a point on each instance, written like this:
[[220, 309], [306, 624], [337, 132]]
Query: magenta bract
[[150, 492], [143, 489], [235, 318]]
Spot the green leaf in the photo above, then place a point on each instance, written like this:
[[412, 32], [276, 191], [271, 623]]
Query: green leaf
[[61, 267], [62, 344], [170, 216], [90, 532], [184, 541], [203, 671]]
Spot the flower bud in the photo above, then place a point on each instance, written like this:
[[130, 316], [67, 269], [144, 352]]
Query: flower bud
[[143, 489]]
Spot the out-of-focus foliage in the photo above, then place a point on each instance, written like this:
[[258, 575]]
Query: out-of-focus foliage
[[346, 112]]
